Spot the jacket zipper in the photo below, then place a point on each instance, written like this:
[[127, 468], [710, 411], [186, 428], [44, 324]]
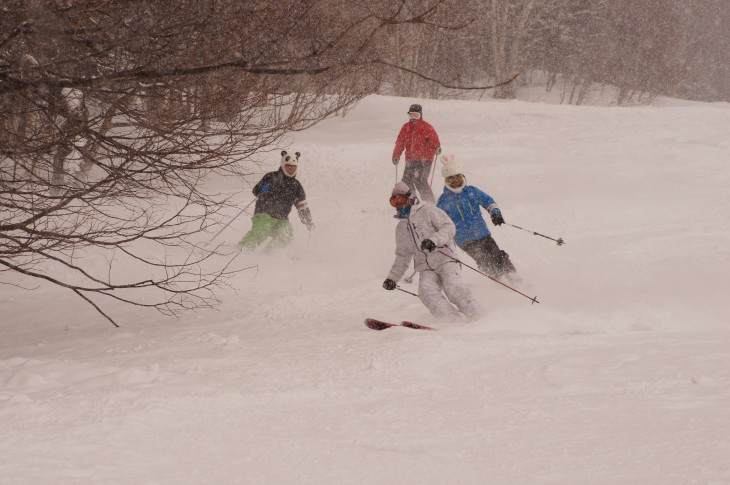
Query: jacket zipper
[[412, 230]]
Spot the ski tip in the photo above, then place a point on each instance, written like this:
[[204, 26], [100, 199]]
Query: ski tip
[[377, 324]]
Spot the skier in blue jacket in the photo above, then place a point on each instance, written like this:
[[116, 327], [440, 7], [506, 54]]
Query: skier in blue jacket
[[462, 203]]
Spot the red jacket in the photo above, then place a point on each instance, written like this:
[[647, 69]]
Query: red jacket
[[419, 140]]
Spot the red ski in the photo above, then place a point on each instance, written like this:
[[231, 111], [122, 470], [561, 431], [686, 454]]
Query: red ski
[[381, 325]]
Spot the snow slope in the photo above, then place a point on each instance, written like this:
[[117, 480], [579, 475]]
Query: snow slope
[[621, 375]]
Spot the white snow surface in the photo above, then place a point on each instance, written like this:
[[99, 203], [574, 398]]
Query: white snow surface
[[620, 375]]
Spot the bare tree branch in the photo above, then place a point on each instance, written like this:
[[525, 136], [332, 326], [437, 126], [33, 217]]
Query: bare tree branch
[[113, 116]]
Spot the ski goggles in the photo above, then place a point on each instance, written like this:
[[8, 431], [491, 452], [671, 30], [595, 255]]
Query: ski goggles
[[414, 115], [399, 200]]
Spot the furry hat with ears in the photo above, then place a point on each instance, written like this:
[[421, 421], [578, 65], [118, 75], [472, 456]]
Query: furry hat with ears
[[287, 159], [451, 166]]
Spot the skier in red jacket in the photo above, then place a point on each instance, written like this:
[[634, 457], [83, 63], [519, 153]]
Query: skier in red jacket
[[421, 143]]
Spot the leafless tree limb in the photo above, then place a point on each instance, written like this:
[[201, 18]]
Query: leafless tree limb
[[114, 114]]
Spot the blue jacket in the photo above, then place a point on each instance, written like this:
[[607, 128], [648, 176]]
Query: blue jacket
[[463, 209]]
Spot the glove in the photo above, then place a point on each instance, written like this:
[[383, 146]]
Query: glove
[[396, 160], [428, 245], [306, 217], [265, 188], [497, 219], [438, 150], [389, 284]]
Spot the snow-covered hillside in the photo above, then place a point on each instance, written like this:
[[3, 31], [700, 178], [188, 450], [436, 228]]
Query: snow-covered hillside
[[621, 375]]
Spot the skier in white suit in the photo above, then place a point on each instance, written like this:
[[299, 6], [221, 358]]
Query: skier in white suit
[[425, 234]]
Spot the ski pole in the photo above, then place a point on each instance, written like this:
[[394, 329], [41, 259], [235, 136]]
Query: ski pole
[[435, 156], [409, 279], [533, 300], [231, 221], [558, 240], [405, 291]]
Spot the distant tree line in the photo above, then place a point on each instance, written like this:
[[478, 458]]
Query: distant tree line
[[641, 48]]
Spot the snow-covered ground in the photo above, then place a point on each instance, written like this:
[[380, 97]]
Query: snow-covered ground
[[621, 375]]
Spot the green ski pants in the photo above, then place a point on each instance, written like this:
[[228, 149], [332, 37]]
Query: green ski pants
[[265, 226]]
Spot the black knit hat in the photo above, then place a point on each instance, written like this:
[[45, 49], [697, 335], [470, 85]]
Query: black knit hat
[[415, 108]]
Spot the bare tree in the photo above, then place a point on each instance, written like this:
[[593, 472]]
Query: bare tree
[[517, 34], [703, 51], [113, 114]]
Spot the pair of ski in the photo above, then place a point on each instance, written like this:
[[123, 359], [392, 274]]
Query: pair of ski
[[381, 325]]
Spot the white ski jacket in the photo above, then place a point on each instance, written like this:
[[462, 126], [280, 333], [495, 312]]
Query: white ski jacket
[[425, 221]]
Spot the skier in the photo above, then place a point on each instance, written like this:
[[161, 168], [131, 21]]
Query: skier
[[462, 203], [421, 143], [426, 234], [277, 192]]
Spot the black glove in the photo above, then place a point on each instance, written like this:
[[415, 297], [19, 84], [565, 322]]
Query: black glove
[[396, 160], [306, 217], [389, 284], [428, 245], [497, 219]]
